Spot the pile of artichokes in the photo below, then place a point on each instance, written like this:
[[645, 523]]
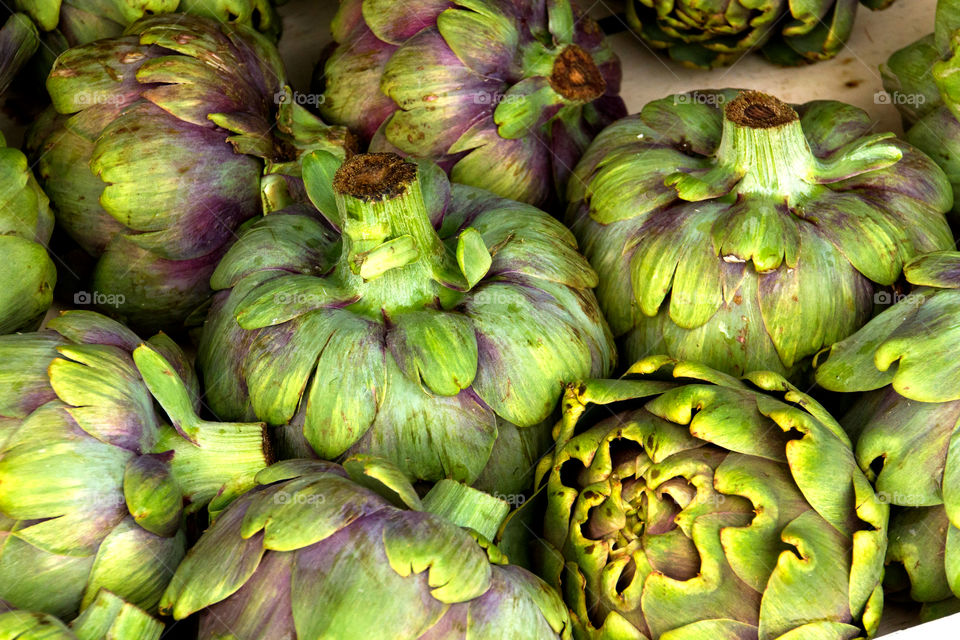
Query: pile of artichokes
[[455, 348]]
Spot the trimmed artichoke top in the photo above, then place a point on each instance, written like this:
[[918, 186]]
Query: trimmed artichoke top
[[907, 427], [696, 505], [500, 93], [706, 33], [732, 229], [95, 482], [154, 155], [416, 320], [323, 551], [108, 617], [26, 224]]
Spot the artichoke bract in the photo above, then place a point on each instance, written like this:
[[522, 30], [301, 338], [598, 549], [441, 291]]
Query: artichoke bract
[[921, 80], [317, 552], [704, 33], [905, 424], [107, 618], [94, 480], [26, 224], [734, 230], [18, 42], [697, 505], [414, 319], [154, 153], [503, 94]]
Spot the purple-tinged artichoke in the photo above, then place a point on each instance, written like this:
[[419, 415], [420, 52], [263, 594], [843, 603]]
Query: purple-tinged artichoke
[[71, 23], [95, 481], [695, 505], [734, 230], [18, 43], [922, 81], [503, 94], [155, 154], [107, 618], [708, 33], [27, 273], [323, 551], [413, 319], [905, 363]]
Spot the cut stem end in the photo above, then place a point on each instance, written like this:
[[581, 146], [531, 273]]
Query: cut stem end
[[576, 76], [758, 110], [374, 176], [467, 507]]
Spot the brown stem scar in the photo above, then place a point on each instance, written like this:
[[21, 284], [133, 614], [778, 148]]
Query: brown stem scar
[[759, 111], [374, 176], [576, 76]]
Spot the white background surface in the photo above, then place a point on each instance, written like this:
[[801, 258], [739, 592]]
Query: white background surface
[[852, 77]]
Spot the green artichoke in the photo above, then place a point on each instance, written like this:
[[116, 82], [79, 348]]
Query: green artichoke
[[95, 484], [697, 505], [317, 552], [26, 223], [107, 618], [921, 80], [907, 425], [711, 33], [410, 318], [154, 156], [735, 231], [18, 43], [503, 94]]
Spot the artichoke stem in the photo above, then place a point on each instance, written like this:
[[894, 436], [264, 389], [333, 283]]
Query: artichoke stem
[[764, 143], [467, 507], [391, 252], [206, 455]]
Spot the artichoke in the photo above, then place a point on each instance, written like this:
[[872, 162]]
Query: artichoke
[[410, 318], [317, 552], [70, 23], [733, 230], [697, 505], [155, 153], [107, 618], [26, 223], [18, 43], [504, 94], [906, 425], [921, 81], [95, 484], [708, 33]]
